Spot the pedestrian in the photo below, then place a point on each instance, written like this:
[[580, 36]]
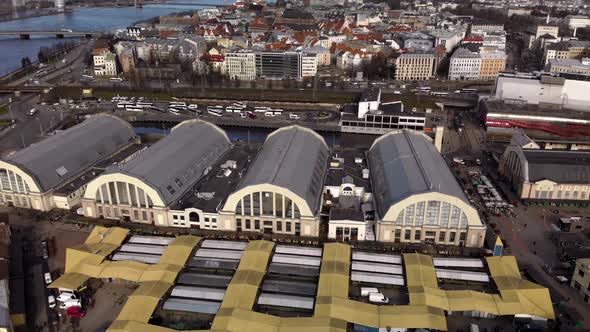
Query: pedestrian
[[524, 225]]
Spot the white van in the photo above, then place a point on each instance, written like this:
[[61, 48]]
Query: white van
[[33, 111], [378, 298], [51, 301], [294, 116], [365, 291]]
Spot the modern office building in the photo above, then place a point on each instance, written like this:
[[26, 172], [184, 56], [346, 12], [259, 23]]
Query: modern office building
[[415, 66], [416, 197], [566, 91], [31, 177], [278, 65]]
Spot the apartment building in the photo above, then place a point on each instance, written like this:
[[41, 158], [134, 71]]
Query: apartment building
[[581, 278], [241, 65], [573, 66], [309, 64], [493, 61], [105, 64], [572, 49], [464, 65], [415, 66]]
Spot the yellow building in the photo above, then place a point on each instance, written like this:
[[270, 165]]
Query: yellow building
[[415, 66], [492, 63], [417, 197], [581, 278]]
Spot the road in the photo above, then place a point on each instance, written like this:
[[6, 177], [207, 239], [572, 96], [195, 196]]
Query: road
[[28, 129], [74, 60]]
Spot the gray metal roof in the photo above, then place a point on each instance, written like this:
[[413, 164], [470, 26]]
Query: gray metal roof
[[60, 157], [177, 161], [558, 166], [294, 158], [405, 163]]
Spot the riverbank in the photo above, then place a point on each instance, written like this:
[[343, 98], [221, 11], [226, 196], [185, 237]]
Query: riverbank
[[33, 15]]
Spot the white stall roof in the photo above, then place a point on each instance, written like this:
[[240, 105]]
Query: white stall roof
[[219, 253], [296, 260], [462, 275], [457, 262], [229, 245], [377, 278], [142, 258], [198, 292], [374, 257], [296, 250], [282, 300], [143, 249], [159, 240], [204, 307], [377, 267]]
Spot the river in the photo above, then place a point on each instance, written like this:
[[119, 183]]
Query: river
[[89, 19]]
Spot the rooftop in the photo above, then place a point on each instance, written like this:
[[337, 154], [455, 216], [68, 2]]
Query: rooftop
[[558, 166], [60, 157], [178, 160], [326, 287], [294, 158], [405, 163], [371, 94], [346, 214], [211, 191]]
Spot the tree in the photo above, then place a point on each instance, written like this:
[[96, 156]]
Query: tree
[[41, 56], [25, 62]]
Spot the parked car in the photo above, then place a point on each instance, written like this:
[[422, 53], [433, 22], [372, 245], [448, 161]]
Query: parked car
[[75, 312], [65, 296], [70, 303], [378, 298], [51, 301], [47, 277]]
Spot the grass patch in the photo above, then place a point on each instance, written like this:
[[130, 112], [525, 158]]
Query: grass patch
[[4, 109]]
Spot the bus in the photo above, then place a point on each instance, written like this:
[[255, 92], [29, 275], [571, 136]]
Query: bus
[[177, 103], [424, 88], [439, 93], [133, 108], [273, 112], [239, 105], [174, 110], [88, 77], [123, 104], [143, 104], [231, 109], [215, 111], [116, 79], [261, 109], [468, 90]]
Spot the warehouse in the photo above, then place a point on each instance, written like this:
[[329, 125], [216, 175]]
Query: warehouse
[[281, 191], [547, 175], [417, 197], [29, 177], [142, 189]]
